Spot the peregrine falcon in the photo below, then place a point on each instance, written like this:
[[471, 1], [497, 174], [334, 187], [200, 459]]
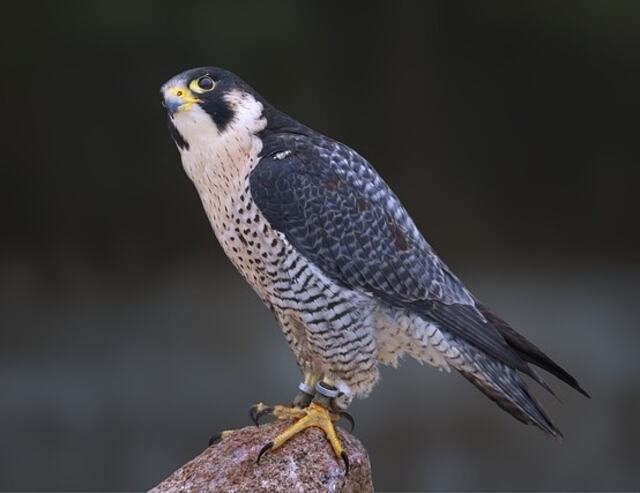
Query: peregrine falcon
[[330, 249]]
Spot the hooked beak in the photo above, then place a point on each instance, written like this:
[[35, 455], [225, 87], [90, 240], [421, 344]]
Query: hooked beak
[[178, 98]]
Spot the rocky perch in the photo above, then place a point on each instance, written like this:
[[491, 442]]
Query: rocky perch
[[304, 464]]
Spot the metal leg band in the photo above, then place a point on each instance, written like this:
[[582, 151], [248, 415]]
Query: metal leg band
[[327, 391], [303, 387]]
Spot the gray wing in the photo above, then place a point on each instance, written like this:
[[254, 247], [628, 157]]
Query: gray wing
[[334, 208], [337, 211]]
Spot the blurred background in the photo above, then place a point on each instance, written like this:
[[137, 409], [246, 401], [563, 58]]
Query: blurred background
[[509, 130]]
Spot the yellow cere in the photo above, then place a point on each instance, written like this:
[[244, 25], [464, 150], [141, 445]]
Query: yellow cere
[[185, 95]]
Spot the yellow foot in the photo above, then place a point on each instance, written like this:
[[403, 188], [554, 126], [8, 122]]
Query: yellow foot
[[313, 415], [259, 410]]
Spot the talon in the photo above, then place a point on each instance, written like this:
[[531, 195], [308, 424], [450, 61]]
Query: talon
[[345, 458], [264, 450], [257, 411], [313, 416], [349, 418]]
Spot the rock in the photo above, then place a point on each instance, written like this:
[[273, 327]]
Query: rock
[[304, 464]]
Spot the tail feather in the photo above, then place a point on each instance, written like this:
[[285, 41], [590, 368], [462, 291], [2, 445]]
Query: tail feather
[[540, 381], [503, 385], [530, 352], [511, 407]]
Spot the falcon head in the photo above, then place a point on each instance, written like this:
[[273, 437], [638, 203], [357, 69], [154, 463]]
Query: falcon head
[[207, 102]]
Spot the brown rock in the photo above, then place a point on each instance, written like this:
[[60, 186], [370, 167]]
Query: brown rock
[[304, 464]]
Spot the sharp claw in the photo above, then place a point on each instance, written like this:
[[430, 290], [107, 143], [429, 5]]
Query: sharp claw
[[256, 412], [349, 418], [214, 438], [265, 411], [253, 414], [345, 458], [264, 450]]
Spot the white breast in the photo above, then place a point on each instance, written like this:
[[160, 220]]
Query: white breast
[[219, 164]]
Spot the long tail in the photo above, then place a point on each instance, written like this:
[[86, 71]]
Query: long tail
[[504, 385], [529, 351]]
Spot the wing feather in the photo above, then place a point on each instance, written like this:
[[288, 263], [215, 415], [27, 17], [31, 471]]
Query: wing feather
[[338, 212]]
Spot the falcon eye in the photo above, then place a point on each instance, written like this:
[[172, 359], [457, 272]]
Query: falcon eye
[[205, 83], [202, 84]]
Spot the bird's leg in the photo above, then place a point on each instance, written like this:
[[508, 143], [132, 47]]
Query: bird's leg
[[306, 392], [313, 405], [317, 414], [326, 397]]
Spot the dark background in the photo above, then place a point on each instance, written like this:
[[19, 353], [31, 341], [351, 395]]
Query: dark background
[[509, 129]]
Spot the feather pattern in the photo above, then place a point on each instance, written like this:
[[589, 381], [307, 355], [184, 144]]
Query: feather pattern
[[331, 250], [335, 210]]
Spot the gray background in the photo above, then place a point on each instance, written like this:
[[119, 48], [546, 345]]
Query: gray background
[[508, 129]]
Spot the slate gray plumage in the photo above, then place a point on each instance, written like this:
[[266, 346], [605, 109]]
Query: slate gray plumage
[[331, 250]]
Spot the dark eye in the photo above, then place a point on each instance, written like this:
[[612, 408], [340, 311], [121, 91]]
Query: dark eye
[[202, 84], [205, 83]]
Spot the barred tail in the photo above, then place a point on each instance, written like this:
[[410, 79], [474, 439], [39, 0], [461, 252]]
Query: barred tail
[[529, 351], [503, 385]]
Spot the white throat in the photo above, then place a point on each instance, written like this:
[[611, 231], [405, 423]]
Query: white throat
[[219, 162], [213, 155]]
